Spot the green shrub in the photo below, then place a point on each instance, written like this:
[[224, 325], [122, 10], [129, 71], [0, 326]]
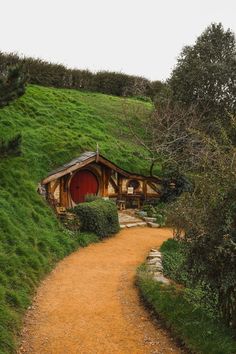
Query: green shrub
[[143, 98], [56, 75], [92, 197], [156, 210], [174, 256], [175, 253], [210, 236], [99, 216]]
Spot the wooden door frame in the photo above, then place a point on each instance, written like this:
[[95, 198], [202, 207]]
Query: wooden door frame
[[87, 168]]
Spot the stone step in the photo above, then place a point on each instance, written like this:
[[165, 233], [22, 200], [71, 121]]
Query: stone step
[[161, 279], [130, 221], [132, 225], [127, 220], [122, 226], [136, 224], [142, 223], [149, 219], [155, 267], [153, 224]]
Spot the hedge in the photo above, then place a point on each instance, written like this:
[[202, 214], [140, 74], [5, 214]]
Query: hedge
[[99, 217], [49, 74]]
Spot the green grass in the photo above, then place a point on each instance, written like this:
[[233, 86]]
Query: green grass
[[191, 324], [56, 125]]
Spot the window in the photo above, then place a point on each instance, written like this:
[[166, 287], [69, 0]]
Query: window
[[133, 183]]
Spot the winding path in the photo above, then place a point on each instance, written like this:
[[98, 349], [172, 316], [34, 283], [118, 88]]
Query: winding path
[[90, 305]]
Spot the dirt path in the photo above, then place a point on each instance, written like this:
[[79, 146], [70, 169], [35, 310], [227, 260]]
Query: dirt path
[[89, 303]]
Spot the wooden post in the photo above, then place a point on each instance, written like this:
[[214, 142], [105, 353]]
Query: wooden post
[[55, 186], [145, 189], [119, 182], [106, 174], [61, 192], [64, 191]]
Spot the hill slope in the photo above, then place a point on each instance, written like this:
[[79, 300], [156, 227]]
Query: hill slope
[[56, 125]]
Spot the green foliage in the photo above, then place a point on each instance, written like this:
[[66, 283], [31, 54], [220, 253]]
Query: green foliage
[[212, 255], [92, 197], [99, 217], [174, 261], [206, 72], [194, 132], [56, 75], [156, 210], [143, 98], [158, 92], [181, 184], [56, 126], [12, 83], [205, 222], [9, 321], [84, 239], [205, 77], [70, 221], [209, 276], [119, 84], [11, 147], [175, 267], [190, 324]]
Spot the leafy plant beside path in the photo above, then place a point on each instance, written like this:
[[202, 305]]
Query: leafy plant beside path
[[187, 309], [191, 325]]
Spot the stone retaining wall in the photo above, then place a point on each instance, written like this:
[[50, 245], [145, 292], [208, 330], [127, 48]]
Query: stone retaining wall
[[154, 266]]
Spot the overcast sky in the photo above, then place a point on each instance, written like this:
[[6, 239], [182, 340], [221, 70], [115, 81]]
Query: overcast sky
[[140, 37]]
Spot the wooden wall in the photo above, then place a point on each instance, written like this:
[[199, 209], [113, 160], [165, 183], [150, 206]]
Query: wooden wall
[[111, 184]]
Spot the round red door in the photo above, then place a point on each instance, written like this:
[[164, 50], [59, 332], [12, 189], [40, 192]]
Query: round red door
[[83, 182]]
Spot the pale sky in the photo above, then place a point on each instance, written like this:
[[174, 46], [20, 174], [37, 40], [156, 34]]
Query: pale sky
[[133, 36]]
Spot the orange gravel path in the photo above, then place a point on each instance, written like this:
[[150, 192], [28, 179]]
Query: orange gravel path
[[90, 305]]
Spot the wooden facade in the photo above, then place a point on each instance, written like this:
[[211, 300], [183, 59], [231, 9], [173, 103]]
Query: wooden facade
[[92, 173]]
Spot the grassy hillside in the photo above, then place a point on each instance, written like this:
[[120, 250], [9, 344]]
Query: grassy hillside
[[56, 125]]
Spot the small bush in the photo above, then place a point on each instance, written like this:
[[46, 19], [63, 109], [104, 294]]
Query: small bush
[[99, 217], [156, 210], [92, 197], [174, 256], [197, 293]]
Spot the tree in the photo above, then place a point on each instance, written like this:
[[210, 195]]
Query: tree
[[205, 74], [12, 85], [191, 132], [205, 165], [156, 90]]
